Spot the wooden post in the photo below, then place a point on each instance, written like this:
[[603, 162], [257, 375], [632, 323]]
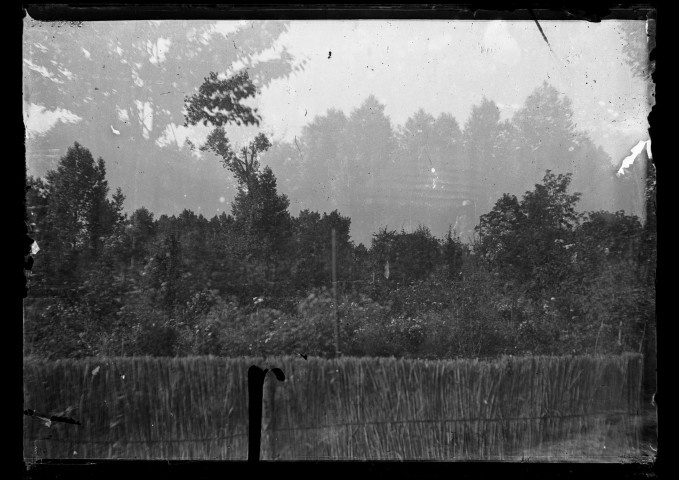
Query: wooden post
[[334, 293], [269, 422], [256, 377], [255, 391]]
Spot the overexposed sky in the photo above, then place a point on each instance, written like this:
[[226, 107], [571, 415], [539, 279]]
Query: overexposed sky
[[449, 66], [439, 66]]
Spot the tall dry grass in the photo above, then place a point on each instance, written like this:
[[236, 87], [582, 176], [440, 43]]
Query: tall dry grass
[[571, 408]]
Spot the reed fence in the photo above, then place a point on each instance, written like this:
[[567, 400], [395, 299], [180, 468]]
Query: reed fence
[[572, 408]]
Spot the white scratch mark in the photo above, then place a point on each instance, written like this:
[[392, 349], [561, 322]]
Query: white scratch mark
[[628, 161], [114, 130]]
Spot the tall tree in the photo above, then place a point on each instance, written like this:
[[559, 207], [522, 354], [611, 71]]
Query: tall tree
[[546, 137], [261, 216], [527, 241], [259, 210], [448, 177], [244, 163], [483, 167], [370, 142], [323, 151], [141, 232], [593, 175], [79, 215], [313, 255], [416, 139], [287, 160], [165, 275], [410, 175], [546, 134]]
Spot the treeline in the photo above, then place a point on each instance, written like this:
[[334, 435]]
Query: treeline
[[541, 278], [438, 171]]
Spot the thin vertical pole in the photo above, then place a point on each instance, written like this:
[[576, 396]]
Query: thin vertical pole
[[334, 292]]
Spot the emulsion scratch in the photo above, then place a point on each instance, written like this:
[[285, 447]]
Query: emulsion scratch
[[628, 161], [298, 149], [540, 28], [47, 419]]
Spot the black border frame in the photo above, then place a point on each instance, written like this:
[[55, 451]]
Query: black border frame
[[100, 469]]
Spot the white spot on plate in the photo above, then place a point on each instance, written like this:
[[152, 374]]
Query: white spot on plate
[[629, 160]]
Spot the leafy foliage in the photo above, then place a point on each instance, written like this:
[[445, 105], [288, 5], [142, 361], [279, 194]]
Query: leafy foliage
[[528, 241], [410, 256], [219, 101]]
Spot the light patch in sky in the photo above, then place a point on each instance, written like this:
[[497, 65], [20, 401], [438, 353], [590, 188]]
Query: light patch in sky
[[145, 112], [197, 134], [123, 116], [158, 50], [137, 79], [178, 134], [226, 27], [66, 73], [37, 68], [38, 120]]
